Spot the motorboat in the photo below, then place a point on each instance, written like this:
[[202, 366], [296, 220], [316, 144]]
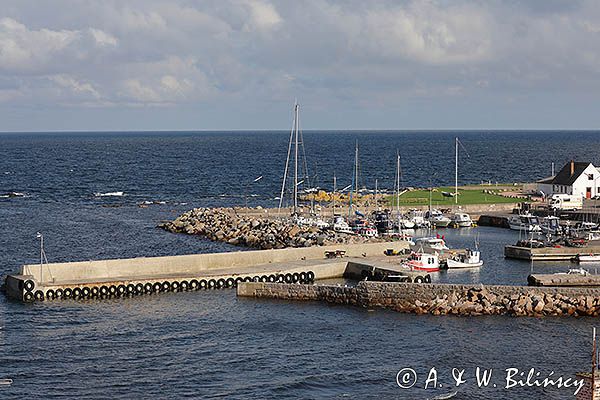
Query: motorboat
[[430, 244], [437, 219], [461, 220], [367, 231], [585, 226], [382, 222], [304, 221], [417, 217], [341, 226], [574, 271], [524, 222], [583, 258], [551, 225], [406, 223], [422, 262], [471, 259]]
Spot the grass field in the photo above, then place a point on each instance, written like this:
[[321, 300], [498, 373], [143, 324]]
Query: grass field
[[468, 196]]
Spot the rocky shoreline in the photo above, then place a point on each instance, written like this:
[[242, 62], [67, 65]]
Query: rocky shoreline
[[229, 226]]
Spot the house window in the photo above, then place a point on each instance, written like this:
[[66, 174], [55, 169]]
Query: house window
[[590, 177]]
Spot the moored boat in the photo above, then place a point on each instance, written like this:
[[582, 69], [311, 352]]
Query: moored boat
[[430, 244], [437, 219], [524, 222], [461, 220], [472, 259], [422, 262]]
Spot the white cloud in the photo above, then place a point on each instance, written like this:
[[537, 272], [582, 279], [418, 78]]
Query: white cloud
[[163, 52], [102, 38]]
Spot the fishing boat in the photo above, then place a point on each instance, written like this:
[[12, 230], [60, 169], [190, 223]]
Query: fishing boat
[[341, 226], [422, 262], [584, 258], [462, 220], [437, 219], [430, 244], [472, 259], [524, 222], [417, 218], [550, 225]]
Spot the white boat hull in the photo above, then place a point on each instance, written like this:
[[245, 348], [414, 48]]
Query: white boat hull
[[453, 264]]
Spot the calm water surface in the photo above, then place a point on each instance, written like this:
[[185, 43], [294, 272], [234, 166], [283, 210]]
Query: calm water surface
[[213, 345]]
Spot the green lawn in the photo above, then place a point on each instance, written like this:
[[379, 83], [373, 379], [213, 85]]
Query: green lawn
[[420, 197]]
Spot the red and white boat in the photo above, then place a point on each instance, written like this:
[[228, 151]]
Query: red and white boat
[[422, 262]]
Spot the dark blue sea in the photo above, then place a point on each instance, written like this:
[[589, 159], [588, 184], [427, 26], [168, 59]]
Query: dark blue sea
[[210, 344]]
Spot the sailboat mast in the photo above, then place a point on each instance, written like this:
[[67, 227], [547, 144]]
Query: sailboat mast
[[398, 183], [594, 362], [356, 168], [296, 159], [456, 172], [334, 189]]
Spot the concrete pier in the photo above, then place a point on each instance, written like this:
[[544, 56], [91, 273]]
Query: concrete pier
[[136, 276], [548, 253]]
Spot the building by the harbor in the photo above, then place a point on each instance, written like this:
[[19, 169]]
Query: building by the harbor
[[575, 178]]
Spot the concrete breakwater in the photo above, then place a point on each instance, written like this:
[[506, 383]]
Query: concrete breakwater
[[441, 299], [226, 225]]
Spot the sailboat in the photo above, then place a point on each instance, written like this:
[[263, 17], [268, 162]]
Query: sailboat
[[297, 144]]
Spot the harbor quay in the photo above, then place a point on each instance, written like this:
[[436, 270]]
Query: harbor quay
[[440, 299], [146, 275]]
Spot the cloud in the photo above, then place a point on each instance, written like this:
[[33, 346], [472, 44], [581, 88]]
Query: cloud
[[351, 53]]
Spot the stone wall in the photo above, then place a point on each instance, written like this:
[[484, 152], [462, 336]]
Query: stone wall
[[441, 299]]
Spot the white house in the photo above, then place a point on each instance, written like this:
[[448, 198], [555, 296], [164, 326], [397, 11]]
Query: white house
[[575, 178]]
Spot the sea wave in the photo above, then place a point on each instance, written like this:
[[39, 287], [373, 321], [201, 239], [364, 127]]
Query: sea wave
[[109, 194]]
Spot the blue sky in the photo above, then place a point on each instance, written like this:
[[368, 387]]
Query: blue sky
[[219, 65]]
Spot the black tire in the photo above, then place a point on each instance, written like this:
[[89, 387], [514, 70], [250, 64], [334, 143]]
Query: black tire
[[175, 286], [59, 293], [50, 295], [121, 290], [408, 279], [157, 287], [264, 278], [288, 278], [427, 278], [194, 284], [272, 278], [185, 286], [112, 290], [310, 276], [76, 293], [230, 283], [280, 278], [419, 279], [166, 286], [221, 283], [131, 289], [39, 295], [303, 277], [68, 293], [296, 277], [203, 284], [86, 292], [256, 279], [28, 297], [147, 288], [95, 292], [139, 288], [248, 279], [211, 284], [29, 285], [104, 290], [238, 280]]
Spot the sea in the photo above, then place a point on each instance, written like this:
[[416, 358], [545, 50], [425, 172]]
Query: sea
[[211, 344]]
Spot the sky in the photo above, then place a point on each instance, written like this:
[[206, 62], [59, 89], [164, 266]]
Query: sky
[[351, 64]]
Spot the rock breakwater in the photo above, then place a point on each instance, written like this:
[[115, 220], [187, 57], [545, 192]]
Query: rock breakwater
[[227, 225], [443, 299]]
